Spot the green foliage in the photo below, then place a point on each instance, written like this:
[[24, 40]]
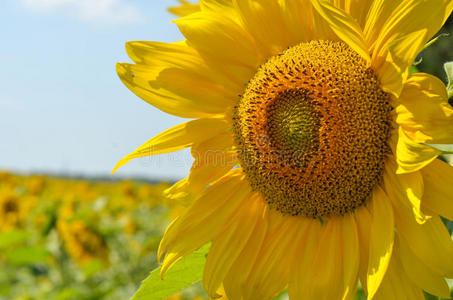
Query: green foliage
[[185, 273]]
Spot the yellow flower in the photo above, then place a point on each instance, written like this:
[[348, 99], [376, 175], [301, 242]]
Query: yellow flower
[[14, 209], [318, 174], [81, 242]]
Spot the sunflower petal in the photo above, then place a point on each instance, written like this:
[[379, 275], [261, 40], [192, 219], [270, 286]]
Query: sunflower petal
[[424, 112], [401, 53], [429, 241], [212, 161], [405, 188], [220, 6], [220, 37], [396, 284], [412, 156], [404, 34], [181, 56], [420, 274], [265, 22], [363, 221], [329, 264], [344, 26], [171, 90], [185, 8], [438, 178], [378, 13], [358, 9], [235, 280], [381, 240], [177, 138], [228, 245], [350, 254], [204, 220], [300, 19], [272, 271]]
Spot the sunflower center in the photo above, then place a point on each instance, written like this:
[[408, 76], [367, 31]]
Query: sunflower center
[[312, 130], [10, 206]]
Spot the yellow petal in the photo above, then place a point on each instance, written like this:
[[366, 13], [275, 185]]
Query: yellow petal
[[363, 221], [412, 156], [403, 35], [235, 280], [394, 68], [420, 274], [227, 246], [221, 37], [171, 90], [358, 9], [424, 112], [438, 178], [344, 26], [219, 6], [303, 268], [328, 263], [265, 22], [272, 269], [378, 14], [429, 241], [177, 138], [204, 220], [185, 8], [350, 254], [212, 161], [397, 285], [300, 19], [381, 240], [179, 55], [405, 188]]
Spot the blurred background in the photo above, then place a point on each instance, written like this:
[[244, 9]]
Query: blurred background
[[68, 229]]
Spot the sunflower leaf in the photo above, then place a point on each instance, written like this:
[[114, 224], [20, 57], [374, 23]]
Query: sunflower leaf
[[449, 70], [182, 275]]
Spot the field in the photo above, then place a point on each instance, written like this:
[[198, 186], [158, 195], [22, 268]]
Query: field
[[79, 239]]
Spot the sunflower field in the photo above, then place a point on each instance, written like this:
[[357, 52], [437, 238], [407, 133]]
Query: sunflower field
[[79, 239]]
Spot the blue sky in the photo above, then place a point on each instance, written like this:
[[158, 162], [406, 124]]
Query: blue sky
[[63, 109]]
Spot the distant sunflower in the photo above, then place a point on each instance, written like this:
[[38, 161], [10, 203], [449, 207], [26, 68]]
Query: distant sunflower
[[83, 244], [318, 174], [14, 209]]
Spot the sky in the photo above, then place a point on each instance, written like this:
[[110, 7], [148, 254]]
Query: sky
[[63, 109]]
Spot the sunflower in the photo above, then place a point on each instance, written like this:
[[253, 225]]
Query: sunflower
[[14, 209], [312, 165], [83, 244]]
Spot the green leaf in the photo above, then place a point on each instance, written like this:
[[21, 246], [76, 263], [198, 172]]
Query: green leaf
[[413, 70], [183, 274], [11, 238], [449, 70], [27, 255]]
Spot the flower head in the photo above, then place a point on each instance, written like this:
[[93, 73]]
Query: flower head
[[312, 169]]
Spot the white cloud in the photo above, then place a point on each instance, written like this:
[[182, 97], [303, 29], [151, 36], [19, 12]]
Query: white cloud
[[93, 11]]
